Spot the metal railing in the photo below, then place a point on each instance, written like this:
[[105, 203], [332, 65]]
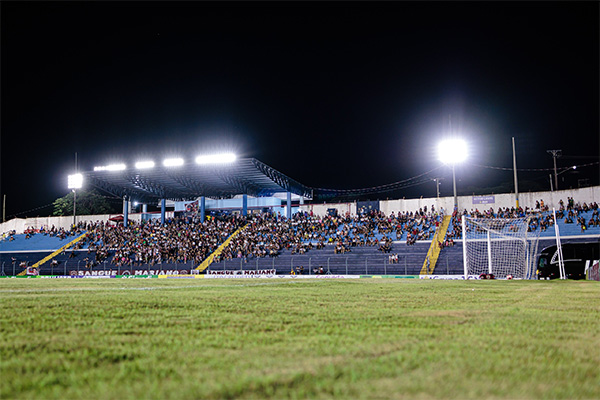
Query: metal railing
[[408, 264]]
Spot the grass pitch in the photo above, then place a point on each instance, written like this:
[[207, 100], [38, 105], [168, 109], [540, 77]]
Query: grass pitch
[[372, 338]]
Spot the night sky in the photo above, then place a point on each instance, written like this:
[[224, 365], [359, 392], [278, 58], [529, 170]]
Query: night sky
[[335, 95]]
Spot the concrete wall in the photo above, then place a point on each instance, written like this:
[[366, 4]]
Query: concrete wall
[[584, 195], [21, 224]]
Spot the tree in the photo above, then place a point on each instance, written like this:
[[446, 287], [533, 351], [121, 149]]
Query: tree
[[89, 202]]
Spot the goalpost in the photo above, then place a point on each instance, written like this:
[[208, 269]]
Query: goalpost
[[499, 246]]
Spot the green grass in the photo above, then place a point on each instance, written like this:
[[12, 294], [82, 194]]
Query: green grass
[[371, 338]]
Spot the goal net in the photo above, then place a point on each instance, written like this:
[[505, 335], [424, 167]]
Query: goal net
[[499, 246]]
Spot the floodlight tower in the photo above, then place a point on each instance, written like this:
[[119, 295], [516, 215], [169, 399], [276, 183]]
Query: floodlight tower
[[452, 152], [75, 182]]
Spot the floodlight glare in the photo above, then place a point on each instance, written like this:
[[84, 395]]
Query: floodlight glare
[[224, 158], [452, 151], [173, 162], [75, 181], [111, 167], [144, 164]]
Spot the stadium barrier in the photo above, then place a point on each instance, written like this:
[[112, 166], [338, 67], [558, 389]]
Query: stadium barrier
[[248, 276]]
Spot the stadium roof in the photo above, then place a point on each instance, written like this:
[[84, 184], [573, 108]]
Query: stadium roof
[[187, 182]]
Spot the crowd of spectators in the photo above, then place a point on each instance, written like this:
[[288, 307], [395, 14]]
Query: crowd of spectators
[[30, 232], [10, 235], [540, 217], [149, 243], [268, 235], [184, 240]]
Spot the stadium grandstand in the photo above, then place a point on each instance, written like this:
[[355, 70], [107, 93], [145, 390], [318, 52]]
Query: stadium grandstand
[[243, 216]]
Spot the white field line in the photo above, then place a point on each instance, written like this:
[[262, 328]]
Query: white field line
[[94, 289]]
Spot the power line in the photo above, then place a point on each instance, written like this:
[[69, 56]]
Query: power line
[[534, 169], [52, 204], [413, 181], [33, 209], [381, 187]]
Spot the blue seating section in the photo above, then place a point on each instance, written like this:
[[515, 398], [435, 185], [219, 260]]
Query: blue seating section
[[571, 229], [38, 241], [361, 260], [379, 235], [365, 260]]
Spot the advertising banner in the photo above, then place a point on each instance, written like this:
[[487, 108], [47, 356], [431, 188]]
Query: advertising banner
[[449, 277], [143, 272], [484, 199], [241, 274]]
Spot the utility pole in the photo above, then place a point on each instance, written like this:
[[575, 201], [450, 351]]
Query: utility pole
[[555, 154], [437, 186]]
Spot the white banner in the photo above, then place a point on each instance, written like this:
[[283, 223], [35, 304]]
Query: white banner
[[273, 276], [449, 277], [112, 272], [241, 274]]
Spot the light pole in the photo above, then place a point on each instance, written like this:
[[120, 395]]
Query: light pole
[[75, 182], [557, 174], [452, 152]]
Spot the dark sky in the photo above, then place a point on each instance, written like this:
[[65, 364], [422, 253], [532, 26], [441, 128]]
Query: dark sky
[[336, 95]]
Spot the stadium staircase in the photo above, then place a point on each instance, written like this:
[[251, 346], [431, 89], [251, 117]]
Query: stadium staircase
[[33, 250], [37, 242], [361, 260], [218, 251], [434, 250], [55, 253]]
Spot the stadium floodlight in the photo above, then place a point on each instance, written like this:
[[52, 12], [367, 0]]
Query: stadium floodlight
[[452, 151], [224, 158], [75, 181], [144, 164], [111, 167], [173, 162]]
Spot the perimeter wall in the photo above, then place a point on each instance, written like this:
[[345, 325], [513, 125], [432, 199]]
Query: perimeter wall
[[584, 195]]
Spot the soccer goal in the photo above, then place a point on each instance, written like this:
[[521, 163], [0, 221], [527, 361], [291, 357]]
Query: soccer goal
[[499, 246]]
